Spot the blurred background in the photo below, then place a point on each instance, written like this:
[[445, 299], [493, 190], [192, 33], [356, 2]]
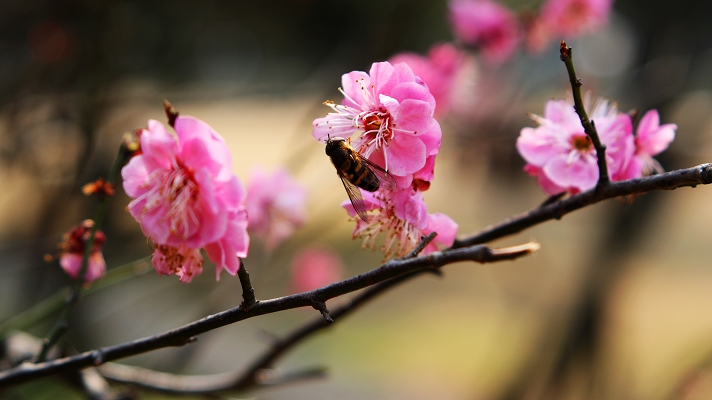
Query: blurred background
[[615, 305]]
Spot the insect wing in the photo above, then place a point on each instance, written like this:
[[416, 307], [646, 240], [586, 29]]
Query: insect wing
[[356, 198], [387, 181]]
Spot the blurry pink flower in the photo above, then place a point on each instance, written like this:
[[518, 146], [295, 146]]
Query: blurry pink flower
[[390, 114], [439, 70], [538, 34], [186, 197], [488, 25], [73, 246], [571, 18], [314, 268], [560, 154], [402, 217], [276, 205], [651, 139]]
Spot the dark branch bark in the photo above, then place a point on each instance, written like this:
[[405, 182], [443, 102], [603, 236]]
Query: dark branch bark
[[588, 125], [186, 333], [699, 175]]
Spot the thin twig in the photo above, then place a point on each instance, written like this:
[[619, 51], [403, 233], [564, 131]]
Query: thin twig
[[699, 175], [182, 335], [62, 324], [251, 377], [248, 292], [588, 125], [54, 303]]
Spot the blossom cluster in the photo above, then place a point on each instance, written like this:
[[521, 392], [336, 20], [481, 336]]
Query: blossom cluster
[[186, 197], [497, 31], [387, 115], [563, 159]]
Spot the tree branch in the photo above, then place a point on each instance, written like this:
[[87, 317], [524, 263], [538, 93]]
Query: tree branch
[[699, 175], [186, 333], [248, 293], [250, 378], [62, 324], [588, 126]]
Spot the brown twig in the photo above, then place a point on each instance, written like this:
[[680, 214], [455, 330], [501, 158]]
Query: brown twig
[[699, 175], [248, 292], [588, 125], [186, 333]]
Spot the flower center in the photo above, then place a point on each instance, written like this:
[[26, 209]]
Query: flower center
[[399, 236], [176, 191], [581, 142], [377, 128], [181, 191]]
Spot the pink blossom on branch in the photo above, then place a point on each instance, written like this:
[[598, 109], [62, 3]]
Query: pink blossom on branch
[[651, 139], [276, 205], [560, 154], [439, 70], [388, 115], [402, 217], [315, 267], [487, 25], [73, 247], [186, 198]]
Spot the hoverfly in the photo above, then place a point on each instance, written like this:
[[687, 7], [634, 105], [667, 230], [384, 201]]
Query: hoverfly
[[356, 171]]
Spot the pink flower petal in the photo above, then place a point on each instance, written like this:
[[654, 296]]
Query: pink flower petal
[[353, 85], [580, 175], [413, 115], [652, 139], [406, 155]]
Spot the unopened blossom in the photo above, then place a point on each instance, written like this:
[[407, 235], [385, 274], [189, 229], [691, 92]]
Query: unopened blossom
[[560, 154], [315, 267], [186, 198], [651, 139], [439, 70], [401, 218], [275, 204], [487, 25], [73, 247], [570, 18], [388, 116]]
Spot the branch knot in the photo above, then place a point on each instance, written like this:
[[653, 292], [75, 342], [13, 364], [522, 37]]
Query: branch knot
[[321, 307]]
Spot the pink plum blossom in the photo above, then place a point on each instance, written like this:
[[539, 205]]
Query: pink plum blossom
[[488, 25], [186, 197], [315, 267], [276, 205], [570, 18], [651, 139], [561, 156], [439, 70], [388, 115], [73, 247], [402, 217]]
